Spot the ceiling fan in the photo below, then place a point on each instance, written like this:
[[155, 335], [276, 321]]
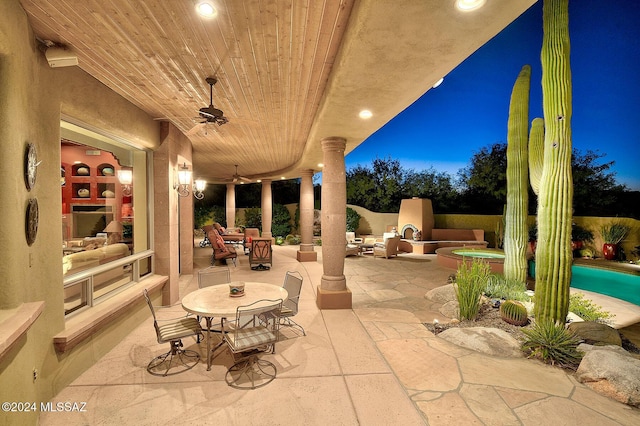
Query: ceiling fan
[[209, 114], [237, 178]]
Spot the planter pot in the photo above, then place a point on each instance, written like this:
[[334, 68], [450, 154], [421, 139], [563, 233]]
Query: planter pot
[[609, 251]]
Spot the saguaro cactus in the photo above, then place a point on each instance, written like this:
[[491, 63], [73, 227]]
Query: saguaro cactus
[[553, 254], [536, 153], [515, 232]]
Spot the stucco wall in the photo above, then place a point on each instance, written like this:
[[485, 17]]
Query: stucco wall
[[376, 223], [32, 98]]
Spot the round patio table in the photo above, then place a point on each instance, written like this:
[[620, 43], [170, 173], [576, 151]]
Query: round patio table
[[216, 301]]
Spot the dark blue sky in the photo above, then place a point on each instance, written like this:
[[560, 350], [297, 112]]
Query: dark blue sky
[[447, 125]]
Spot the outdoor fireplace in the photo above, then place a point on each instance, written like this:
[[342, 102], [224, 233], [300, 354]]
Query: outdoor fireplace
[[416, 214]]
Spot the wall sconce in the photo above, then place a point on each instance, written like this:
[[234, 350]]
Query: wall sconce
[[184, 181], [198, 188], [125, 177]]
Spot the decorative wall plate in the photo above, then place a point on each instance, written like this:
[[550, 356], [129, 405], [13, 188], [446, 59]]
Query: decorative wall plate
[[31, 164], [31, 221]]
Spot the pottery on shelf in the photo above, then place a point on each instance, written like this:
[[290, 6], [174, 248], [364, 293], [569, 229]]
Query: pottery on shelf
[[108, 194], [107, 171], [83, 171], [83, 192]]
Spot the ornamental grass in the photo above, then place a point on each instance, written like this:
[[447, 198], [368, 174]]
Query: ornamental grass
[[470, 284]]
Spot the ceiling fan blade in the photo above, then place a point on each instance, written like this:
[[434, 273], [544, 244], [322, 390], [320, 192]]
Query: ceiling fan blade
[[195, 129]]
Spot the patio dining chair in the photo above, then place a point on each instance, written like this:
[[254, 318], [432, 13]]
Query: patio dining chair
[[255, 330], [213, 275], [293, 285], [172, 331]]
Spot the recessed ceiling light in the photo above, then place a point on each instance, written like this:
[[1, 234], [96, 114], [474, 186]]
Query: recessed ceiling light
[[259, 180], [282, 178], [365, 113], [469, 5], [437, 83], [206, 9], [321, 165]]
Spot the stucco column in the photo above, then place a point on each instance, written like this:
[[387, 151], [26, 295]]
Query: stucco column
[[306, 252], [231, 205], [332, 291], [267, 208]]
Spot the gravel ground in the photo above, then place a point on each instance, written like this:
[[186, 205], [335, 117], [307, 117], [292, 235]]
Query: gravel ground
[[488, 316]]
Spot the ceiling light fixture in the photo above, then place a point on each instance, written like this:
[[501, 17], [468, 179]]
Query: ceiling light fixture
[[437, 83], [469, 5], [365, 114], [206, 10]]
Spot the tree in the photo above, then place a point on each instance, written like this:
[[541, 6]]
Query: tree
[[596, 192], [381, 187], [281, 221], [485, 180]]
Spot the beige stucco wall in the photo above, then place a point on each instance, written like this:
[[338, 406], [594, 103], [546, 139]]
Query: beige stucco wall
[[377, 223], [32, 98]]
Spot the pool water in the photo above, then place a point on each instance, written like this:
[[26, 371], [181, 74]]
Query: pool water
[[621, 285], [484, 254]]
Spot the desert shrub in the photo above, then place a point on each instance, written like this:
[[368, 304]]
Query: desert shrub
[[552, 343], [470, 283], [201, 214], [587, 310], [281, 221], [292, 239], [253, 218], [499, 287], [353, 220]]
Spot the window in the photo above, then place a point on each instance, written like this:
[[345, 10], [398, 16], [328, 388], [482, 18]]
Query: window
[[104, 244]]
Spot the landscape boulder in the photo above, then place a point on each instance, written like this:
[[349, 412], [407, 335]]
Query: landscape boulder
[[443, 294], [490, 341], [596, 333], [611, 373]]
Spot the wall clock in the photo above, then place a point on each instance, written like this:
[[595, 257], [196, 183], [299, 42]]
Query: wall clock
[[31, 221], [31, 164]]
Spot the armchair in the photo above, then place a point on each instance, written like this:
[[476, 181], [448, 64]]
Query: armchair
[[387, 249], [249, 235]]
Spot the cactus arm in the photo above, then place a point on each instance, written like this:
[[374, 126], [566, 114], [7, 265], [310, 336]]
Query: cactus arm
[[553, 254], [536, 153], [515, 232]]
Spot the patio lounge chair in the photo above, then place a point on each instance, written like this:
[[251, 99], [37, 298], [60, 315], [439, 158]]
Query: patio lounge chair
[[221, 251]]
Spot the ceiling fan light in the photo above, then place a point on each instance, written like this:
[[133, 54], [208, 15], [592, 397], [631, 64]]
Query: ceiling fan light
[[206, 10]]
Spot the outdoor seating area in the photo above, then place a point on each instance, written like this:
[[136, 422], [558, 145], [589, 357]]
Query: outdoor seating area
[[425, 379]]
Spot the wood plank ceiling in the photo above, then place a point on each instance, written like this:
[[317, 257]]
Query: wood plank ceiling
[[289, 71]]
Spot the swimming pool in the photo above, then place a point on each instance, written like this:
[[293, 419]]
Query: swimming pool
[[621, 284]]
